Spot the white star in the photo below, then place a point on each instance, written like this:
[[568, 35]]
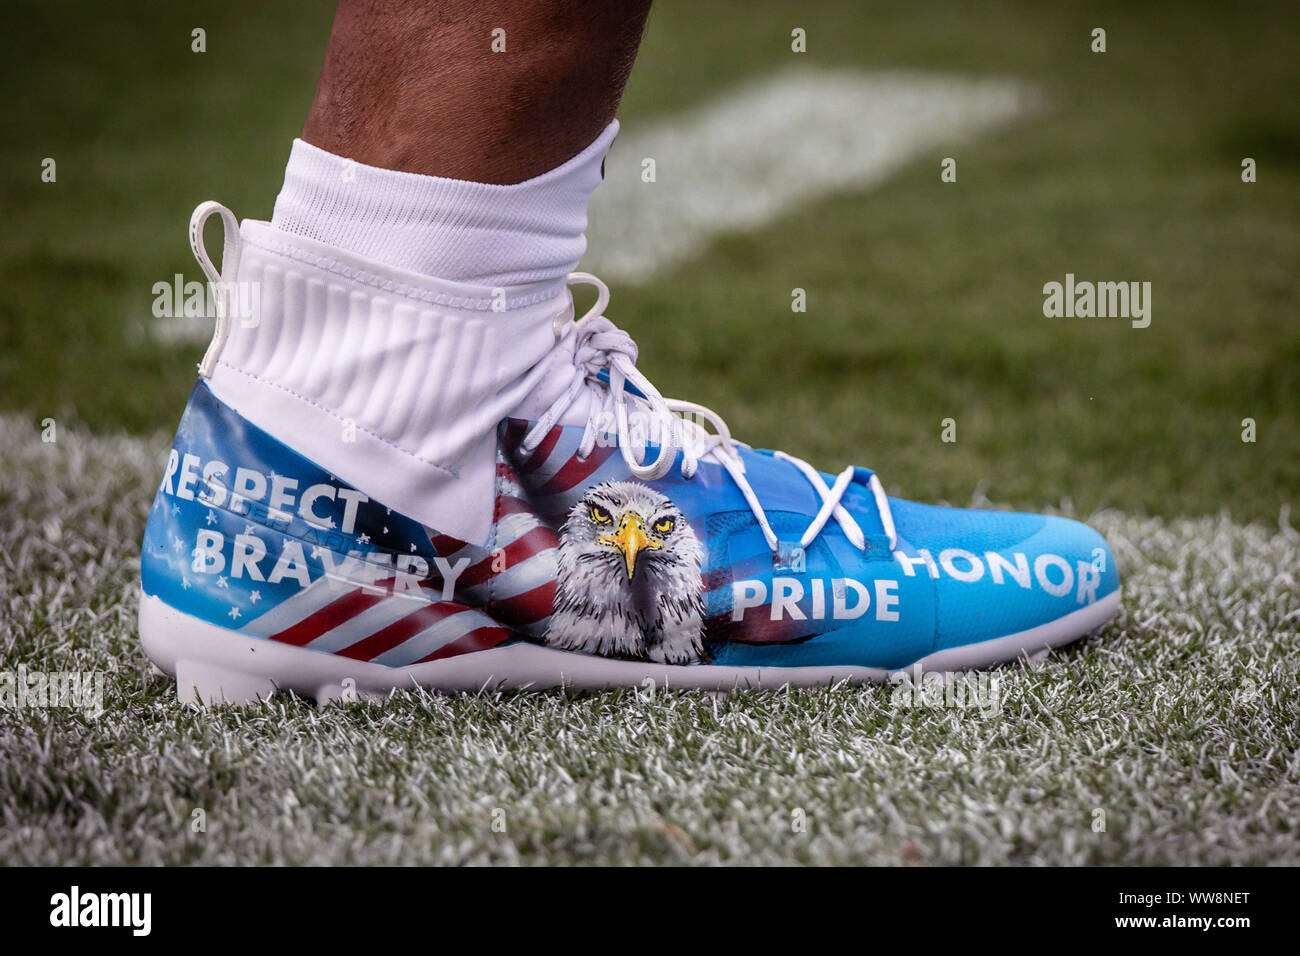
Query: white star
[[179, 543], [385, 529], [388, 511], [249, 529], [234, 613], [364, 539], [221, 581], [412, 545], [176, 510], [315, 553], [185, 582], [212, 519], [255, 597]]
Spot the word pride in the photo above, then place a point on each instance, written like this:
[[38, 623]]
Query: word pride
[[1101, 300], [849, 599]]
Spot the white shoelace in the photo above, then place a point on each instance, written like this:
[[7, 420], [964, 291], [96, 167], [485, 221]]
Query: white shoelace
[[602, 346]]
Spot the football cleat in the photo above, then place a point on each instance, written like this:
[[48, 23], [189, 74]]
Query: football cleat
[[626, 537]]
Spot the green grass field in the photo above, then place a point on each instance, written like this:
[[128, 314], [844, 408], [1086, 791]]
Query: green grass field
[[1180, 722]]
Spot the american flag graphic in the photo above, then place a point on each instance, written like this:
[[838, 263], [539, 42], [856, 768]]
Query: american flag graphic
[[374, 624], [506, 590]]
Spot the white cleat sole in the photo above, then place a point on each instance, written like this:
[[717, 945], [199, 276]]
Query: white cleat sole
[[213, 665]]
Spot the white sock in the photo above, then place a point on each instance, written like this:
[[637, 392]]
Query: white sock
[[452, 229], [400, 318]]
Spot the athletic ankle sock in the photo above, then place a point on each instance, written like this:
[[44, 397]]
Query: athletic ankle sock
[[400, 318], [451, 229]]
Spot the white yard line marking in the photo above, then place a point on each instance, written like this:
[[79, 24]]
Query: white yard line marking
[[756, 153]]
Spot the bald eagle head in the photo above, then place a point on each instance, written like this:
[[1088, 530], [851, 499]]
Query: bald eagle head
[[629, 579]]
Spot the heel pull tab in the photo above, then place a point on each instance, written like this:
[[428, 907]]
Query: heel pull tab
[[222, 283]]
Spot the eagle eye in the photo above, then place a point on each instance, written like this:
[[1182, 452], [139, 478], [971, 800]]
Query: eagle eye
[[665, 525], [600, 515]]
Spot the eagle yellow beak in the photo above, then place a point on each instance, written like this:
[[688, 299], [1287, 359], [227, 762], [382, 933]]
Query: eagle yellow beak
[[631, 539]]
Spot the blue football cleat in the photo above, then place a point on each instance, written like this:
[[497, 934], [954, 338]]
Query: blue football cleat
[[643, 544]]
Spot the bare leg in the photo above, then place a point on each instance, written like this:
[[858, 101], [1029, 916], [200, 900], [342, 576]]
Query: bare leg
[[414, 85]]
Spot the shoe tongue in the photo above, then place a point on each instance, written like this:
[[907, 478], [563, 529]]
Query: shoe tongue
[[548, 380], [781, 487], [861, 503]]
